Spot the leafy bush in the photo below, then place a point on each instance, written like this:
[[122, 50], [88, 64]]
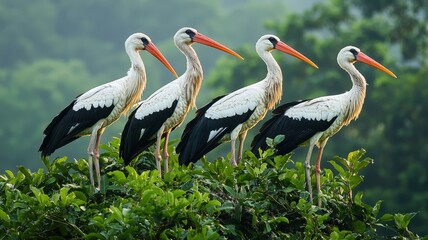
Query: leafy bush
[[261, 198]]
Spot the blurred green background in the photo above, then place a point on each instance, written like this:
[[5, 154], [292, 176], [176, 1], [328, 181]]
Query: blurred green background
[[53, 50]]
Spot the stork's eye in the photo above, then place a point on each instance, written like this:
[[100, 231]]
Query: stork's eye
[[354, 52], [190, 33], [145, 41], [273, 40]]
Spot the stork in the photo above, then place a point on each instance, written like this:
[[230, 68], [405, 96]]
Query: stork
[[91, 112], [166, 109], [229, 117], [314, 121]]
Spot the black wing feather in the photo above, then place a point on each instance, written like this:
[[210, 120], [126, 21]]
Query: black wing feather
[[131, 143], [194, 142], [58, 134], [295, 131]]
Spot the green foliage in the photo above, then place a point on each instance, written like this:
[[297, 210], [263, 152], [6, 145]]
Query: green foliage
[[261, 198]]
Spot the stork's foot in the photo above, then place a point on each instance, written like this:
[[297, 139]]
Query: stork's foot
[[233, 162]]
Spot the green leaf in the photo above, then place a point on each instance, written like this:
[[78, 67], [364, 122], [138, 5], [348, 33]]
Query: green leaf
[[25, 172], [387, 217], [357, 199], [362, 164], [230, 190], [345, 163], [338, 168], [279, 220], [376, 208], [278, 139], [354, 156], [4, 216], [226, 206], [118, 175], [117, 214], [359, 226], [270, 142], [355, 181]]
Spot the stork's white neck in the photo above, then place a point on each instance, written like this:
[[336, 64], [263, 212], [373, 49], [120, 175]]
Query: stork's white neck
[[136, 79], [357, 93], [273, 90], [135, 58], [193, 75]]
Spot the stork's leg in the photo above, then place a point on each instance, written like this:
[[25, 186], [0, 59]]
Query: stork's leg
[[318, 174], [97, 158], [232, 157], [308, 171], [92, 152], [233, 136], [90, 161], [158, 156], [318, 169], [165, 154], [241, 145]]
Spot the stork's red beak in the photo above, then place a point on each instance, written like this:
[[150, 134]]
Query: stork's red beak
[[361, 57], [152, 49], [281, 46], [202, 39]]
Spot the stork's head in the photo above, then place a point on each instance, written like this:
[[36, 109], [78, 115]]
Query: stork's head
[[351, 54], [189, 36], [269, 42], [140, 41]]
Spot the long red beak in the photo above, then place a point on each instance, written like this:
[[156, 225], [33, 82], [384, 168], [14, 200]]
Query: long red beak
[[202, 39], [281, 46], [361, 57], [152, 49]]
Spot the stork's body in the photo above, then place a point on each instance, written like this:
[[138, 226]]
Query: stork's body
[[314, 121], [166, 109], [91, 112], [229, 117]]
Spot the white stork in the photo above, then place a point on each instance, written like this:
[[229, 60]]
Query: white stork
[[91, 112], [315, 121], [166, 109], [229, 117]]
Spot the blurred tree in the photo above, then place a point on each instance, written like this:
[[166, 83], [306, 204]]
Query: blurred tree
[[392, 125], [27, 95]]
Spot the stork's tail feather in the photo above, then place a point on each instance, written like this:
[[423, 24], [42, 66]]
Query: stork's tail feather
[[188, 148], [131, 147], [55, 132], [272, 128]]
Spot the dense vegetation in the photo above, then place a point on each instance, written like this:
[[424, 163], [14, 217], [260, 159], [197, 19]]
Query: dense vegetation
[[55, 49], [261, 198]]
